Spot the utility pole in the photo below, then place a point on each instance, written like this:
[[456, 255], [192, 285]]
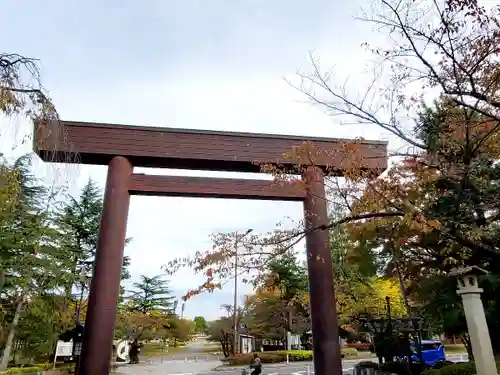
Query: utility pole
[[235, 305]]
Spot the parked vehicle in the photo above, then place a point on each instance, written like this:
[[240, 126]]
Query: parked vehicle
[[432, 352]]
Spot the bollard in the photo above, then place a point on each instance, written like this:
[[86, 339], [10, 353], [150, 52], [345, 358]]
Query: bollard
[[196, 359], [185, 359], [207, 358], [308, 370], [287, 359]]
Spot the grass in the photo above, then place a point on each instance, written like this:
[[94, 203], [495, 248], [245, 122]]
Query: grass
[[455, 348], [155, 349], [35, 369]]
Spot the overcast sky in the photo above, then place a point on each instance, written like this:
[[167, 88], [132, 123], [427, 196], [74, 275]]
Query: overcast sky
[[204, 64]]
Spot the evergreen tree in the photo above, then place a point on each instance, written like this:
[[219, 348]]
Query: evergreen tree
[[150, 294], [31, 262], [78, 222]]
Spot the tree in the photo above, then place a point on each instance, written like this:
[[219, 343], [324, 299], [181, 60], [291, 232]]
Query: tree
[[135, 325], [181, 329], [269, 316], [279, 300], [442, 309], [437, 206], [217, 264], [227, 308], [151, 293], [31, 261], [286, 274], [78, 222], [452, 48], [221, 331], [200, 324], [21, 90]]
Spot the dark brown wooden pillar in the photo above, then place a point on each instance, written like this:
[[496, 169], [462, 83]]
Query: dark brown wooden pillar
[[326, 346], [105, 285]]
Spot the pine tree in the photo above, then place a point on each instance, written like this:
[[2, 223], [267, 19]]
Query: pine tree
[[78, 222], [31, 261], [151, 293]]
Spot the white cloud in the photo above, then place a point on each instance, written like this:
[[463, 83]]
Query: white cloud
[[235, 82]]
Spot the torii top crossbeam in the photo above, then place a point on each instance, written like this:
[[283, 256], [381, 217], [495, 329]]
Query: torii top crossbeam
[[158, 147]]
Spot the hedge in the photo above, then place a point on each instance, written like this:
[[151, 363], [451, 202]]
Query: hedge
[[44, 368], [34, 370], [442, 368], [461, 368], [280, 356]]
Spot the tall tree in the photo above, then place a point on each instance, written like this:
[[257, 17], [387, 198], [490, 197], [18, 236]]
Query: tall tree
[[200, 324], [151, 293], [32, 263], [78, 221], [286, 274]]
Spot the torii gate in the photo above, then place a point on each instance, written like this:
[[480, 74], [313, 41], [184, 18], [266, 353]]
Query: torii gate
[[123, 147]]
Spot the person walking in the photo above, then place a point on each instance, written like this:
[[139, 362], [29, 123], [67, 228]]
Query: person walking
[[256, 364], [134, 352]]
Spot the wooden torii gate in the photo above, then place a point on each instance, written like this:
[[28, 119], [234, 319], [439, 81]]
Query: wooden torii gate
[[123, 147]]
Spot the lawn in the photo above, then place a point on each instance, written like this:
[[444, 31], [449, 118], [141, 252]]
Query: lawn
[[151, 349], [454, 348]]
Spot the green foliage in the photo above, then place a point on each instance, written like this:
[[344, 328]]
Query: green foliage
[[47, 249], [441, 364], [201, 325], [47, 369], [288, 275], [78, 222], [441, 306], [463, 368], [401, 368], [151, 293], [281, 356], [280, 301]]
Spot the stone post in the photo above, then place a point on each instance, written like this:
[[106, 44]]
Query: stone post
[[468, 289]]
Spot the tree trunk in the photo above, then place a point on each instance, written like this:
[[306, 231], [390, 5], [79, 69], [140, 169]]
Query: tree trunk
[[468, 346], [10, 338]]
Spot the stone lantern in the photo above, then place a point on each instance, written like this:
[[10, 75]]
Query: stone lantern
[[468, 289]]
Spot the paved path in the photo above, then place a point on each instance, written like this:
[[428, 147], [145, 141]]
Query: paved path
[[204, 367]]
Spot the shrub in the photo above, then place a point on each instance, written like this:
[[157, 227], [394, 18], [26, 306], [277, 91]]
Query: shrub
[[40, 368], [442, 364], [280, 356], [462, 368], [297, 355], [271, 357], [349, 352], [26, 370], [402, 368]]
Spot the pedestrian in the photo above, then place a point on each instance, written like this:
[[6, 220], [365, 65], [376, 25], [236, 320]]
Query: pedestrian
[[134, 352], [256, 364]]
